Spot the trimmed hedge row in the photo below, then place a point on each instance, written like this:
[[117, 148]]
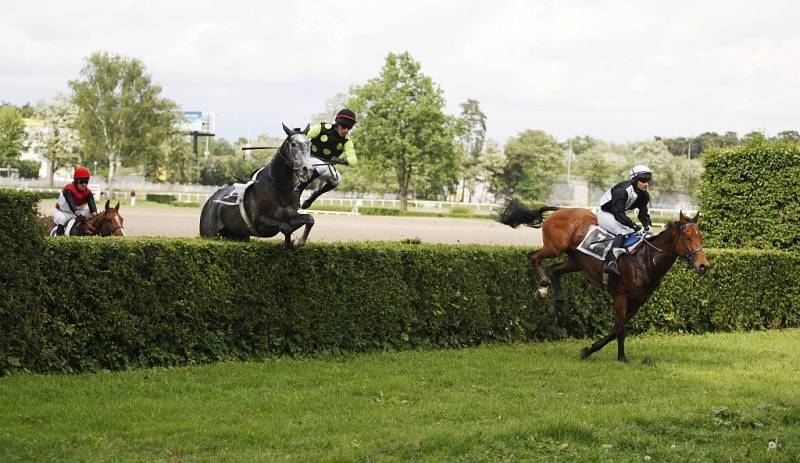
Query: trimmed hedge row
[[21, 243], [173, 302], [102, 303], [749, 195]]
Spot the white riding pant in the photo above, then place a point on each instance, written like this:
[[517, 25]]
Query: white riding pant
[[61, 217], [607, 221], [326, 172]]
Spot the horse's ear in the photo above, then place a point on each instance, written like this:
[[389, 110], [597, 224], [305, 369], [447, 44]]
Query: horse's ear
[[116, 208], [108, 203], [308, 127], [696, 217], [681, 217], [286, 129]]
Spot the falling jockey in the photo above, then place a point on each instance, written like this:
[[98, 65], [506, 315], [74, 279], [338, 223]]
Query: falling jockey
[[330, 146], [614, 206]]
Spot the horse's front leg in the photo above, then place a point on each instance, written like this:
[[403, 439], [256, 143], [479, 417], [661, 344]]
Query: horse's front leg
[[617, 332], [306, 220]]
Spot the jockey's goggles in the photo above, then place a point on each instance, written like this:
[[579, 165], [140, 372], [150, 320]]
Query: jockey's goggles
[[82, 180]]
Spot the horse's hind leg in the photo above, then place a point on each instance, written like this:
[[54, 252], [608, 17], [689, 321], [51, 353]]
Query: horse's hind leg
[[535, 259], [570, 265]]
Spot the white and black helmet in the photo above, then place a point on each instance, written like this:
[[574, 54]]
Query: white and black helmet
[[642, 172]]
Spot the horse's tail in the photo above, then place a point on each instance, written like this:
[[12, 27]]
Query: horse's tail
[[513, 213]]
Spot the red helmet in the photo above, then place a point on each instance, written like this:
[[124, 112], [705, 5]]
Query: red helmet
[[81, 172]]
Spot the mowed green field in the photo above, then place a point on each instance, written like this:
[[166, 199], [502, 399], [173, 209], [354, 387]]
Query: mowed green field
[[721, 397]]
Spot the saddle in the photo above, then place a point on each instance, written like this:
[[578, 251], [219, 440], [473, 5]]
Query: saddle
[[598, 240], [236, 198]]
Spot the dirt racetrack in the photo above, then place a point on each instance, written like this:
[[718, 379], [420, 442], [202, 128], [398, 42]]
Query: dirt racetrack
[[184, 222]]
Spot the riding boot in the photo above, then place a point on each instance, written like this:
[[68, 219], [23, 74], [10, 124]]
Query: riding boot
[[321, 190], [60, 230], [610, 265]]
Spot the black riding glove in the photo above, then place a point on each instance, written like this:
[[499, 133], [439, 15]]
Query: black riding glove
[[341, 161], [636, 228]]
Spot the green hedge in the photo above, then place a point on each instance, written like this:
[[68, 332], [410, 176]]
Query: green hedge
[[83, 304], [21, 245], [161, 198], [749, 195]]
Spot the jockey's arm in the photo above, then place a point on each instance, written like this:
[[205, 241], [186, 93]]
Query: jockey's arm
[[92, 205], [70, 201], [349, 153], [618, 201]]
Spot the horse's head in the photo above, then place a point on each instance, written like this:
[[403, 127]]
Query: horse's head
[[689, 243], [296, 150], [108, 222]]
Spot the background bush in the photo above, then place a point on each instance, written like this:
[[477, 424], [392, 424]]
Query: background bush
[[749, 195]]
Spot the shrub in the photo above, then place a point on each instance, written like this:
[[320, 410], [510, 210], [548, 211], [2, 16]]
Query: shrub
[[161, 198], [749, 195]]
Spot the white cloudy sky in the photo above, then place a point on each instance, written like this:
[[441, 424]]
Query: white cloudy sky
[[617, 70]]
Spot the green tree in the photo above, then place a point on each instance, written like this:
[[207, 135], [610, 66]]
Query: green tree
[[121, 113], [332, 106], [600, 167], [179, 162], [402, 127], [534, 161], [12, 134], [788, 135], [581, 144], [472, 140], [56, 139]]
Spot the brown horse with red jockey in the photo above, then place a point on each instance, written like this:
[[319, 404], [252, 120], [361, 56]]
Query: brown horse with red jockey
[[106, 223]]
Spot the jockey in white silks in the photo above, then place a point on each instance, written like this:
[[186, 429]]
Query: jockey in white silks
[[330, 146], [75, 199], [614, 206]]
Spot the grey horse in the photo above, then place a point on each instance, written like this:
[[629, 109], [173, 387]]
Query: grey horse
[[268, 206]]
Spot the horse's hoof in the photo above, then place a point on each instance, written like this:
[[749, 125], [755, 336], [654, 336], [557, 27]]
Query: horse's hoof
[[297, 244], [622, 359], [541, 293], [585, 353]]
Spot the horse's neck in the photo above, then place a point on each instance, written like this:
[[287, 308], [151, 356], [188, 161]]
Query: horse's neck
[[661, 255], [90, 226], [281, 173]]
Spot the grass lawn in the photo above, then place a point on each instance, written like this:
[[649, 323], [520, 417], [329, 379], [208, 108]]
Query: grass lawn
[[720, 397]]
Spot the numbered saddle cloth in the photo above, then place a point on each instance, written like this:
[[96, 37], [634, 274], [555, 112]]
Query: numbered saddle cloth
[[598, 240]]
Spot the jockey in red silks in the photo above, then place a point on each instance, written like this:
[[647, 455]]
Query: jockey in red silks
[[75, 199]]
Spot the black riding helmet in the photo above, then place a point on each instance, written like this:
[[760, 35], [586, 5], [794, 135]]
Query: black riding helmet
[[346, 118]]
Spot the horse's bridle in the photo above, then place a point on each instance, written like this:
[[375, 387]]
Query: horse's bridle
[[690, 253]]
